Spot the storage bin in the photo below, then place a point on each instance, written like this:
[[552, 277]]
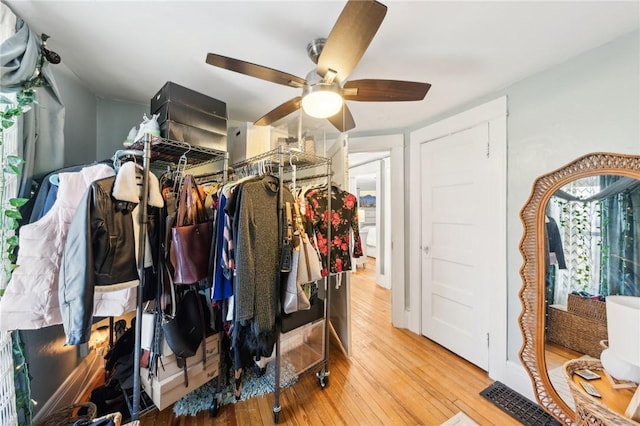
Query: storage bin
[[183, 114], [172, 92], [249, 140], [169, 366], [576, 331], [168, 385], [165, 392], [194, 136], [303, 347], [587, 307]]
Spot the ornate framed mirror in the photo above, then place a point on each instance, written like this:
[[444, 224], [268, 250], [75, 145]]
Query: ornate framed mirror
[[601, 175]]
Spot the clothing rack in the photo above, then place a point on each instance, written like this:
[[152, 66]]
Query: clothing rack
[[316, 176], [164, 152], [285, 159], [212, 177]]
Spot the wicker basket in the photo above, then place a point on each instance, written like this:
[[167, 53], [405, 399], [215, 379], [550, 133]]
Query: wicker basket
[[590, 411], [587, 308], [579, 333], [116, 418], [70, 414]]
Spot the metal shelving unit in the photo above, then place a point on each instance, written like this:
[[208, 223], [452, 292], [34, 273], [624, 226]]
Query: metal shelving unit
[[164, 153], [284, 160]]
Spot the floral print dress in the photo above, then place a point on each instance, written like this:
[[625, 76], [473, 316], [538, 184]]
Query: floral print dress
[[344, 218]]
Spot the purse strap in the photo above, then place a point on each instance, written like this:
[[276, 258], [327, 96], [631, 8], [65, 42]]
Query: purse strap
[[289, 221], [191, 209], [304, 240]]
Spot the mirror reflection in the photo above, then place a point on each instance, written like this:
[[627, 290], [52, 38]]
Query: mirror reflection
[[592, 250]]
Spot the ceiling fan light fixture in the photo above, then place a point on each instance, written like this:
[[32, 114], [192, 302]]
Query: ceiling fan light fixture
[[322, 100]]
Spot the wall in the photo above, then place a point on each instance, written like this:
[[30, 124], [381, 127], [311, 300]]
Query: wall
[[588, 104], [80, 118], [44, 350], [114, 121]]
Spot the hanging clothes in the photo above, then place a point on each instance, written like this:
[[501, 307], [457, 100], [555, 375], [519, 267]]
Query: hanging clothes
[[101, 248], [257, 254], [31, 298], [222, 285], [224, 263], [554, 242], [344, 219]]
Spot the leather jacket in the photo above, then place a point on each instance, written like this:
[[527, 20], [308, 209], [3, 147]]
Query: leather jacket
[[101, 251]]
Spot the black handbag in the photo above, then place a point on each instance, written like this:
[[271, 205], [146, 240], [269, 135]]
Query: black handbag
[[185, 331]]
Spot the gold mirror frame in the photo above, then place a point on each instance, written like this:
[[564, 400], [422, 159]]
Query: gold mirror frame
[[532, 319]]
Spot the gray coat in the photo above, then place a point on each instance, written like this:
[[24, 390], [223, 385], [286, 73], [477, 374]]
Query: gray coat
[[257, 253]]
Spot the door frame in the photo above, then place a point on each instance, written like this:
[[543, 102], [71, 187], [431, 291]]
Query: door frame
[[394, 143], [495, 114]]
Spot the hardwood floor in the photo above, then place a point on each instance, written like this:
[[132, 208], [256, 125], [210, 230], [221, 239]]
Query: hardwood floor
[[394, 377]]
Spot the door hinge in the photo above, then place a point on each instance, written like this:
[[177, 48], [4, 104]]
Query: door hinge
[[488, 149], [488, 340]]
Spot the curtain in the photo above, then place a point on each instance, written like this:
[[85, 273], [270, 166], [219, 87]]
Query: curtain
[[40, 131], [600, 226], [37, 137], [620, 251]]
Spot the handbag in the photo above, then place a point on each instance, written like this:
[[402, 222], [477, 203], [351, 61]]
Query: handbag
[[191, 236], [286, 252], [309, 264], [295, 298], [187, 330]]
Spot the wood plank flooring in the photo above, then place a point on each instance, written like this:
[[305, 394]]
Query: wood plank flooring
[[394, 377]]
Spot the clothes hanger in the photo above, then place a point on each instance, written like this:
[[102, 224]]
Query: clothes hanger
[[181, 169], [293, 172]]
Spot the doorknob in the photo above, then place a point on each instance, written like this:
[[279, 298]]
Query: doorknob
[[425, 249]]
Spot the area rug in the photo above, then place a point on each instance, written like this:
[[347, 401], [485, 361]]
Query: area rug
[[201, 398], [460, 419]]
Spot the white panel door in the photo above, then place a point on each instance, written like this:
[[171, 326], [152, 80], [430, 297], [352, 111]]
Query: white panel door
[[455, 172]]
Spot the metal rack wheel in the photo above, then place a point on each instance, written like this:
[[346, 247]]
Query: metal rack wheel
[[214, 408], [323, 378], [276, 413]]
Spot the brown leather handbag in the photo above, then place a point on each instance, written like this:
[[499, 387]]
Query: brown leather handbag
[[191, 236]]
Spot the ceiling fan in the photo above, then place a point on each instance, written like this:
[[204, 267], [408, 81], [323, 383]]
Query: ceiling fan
[[325, 88]]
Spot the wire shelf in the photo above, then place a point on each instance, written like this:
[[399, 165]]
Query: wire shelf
[[165, 152], [290, 157]]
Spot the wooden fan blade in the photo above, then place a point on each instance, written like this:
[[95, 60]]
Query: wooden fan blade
[[343, 120], [253, 70], [279, 112], [350, 37], [384, 90]]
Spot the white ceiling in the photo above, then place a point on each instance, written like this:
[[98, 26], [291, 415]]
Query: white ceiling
[[126, 50]]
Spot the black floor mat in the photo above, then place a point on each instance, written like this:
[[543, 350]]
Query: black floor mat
[[518, 406]]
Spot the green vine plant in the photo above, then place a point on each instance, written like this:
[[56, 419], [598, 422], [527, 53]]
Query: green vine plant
[[576, 219], [10, 216], [11, 165], [10, 110]]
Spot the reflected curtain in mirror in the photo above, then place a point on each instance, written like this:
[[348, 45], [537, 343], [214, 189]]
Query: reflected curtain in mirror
[[593, 224], [620, 238]]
